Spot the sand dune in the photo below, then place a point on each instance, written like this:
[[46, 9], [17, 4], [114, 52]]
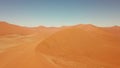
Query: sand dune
[[6, 28], [80, 46]]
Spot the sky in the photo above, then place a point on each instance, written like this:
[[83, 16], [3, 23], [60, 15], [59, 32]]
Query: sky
[[60, 12]]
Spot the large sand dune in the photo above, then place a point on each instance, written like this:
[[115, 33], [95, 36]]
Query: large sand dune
[[80, 46]]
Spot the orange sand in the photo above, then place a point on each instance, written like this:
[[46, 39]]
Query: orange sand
[[80, 46]]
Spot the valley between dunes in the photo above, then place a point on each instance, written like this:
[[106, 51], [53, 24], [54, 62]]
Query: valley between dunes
[[78, 46]]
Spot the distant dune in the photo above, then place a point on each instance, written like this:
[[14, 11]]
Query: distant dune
[[78, 46], [6, 28]]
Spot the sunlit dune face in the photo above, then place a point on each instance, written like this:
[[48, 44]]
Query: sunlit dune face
[[81, 46], [74, 43]]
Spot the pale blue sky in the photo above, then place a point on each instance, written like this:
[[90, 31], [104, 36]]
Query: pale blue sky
[[60, 12]]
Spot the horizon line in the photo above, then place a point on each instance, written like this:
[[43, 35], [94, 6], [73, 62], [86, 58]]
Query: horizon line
[[59, 25]]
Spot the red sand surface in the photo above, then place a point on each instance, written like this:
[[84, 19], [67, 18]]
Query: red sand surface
[[80, 46]]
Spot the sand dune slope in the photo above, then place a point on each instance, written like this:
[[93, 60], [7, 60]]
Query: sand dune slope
[[81, 46], [24, 55]]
